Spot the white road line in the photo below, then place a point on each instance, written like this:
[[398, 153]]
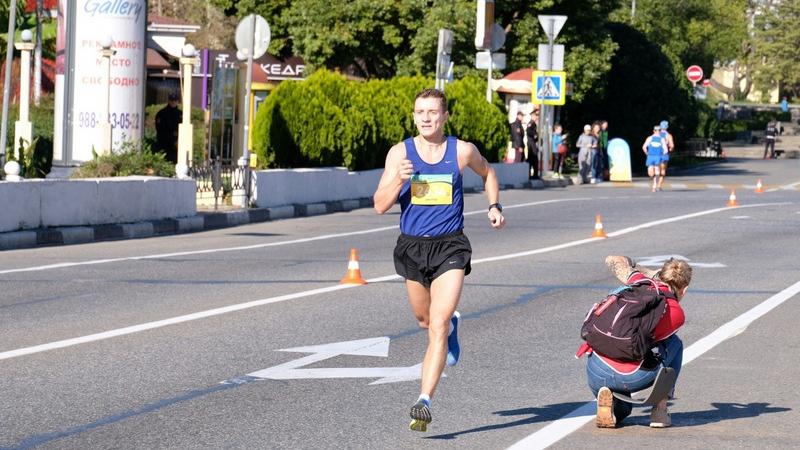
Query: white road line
[[255, 246], [573, 421], [252, 304]]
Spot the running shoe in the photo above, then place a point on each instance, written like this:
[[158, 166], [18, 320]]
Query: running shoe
[[605, 409], [420, 416], [660, 418], [453, 349]]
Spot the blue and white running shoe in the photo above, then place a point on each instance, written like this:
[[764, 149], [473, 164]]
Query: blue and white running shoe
[[453, 349]]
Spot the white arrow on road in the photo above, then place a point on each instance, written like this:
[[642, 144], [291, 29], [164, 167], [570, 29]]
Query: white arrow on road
[[363, 347], [659, 260]]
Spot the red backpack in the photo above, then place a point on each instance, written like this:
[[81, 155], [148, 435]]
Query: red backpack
[[621, 326]]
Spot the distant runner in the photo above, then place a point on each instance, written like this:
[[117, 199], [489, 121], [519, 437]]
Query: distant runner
[[654, 147], [432, 252], [670, 146]]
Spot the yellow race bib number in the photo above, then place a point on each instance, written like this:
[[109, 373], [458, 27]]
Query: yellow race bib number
[[429, 189]]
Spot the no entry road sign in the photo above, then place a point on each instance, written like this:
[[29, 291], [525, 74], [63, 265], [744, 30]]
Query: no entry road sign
[[694, 73]]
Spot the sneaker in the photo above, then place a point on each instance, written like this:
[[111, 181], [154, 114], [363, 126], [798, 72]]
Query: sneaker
[[453, 349], [421, 416], [593, 181], [605, 409], [660, 418]]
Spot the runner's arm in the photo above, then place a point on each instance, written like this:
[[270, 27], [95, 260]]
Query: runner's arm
[[646, 143], [397, 171], [479, 165]]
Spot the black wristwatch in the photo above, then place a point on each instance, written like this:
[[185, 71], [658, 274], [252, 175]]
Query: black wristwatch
[[496, 205]]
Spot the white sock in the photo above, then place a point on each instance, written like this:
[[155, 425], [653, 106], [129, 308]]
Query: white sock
[[425, 398]]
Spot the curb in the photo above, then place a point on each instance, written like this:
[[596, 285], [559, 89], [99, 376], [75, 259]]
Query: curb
[[43, 237]]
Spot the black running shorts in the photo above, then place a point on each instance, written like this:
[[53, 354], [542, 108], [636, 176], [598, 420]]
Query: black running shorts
[[423, 259]]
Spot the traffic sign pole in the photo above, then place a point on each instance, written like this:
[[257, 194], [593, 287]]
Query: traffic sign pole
[[250, 49], [551, 26]]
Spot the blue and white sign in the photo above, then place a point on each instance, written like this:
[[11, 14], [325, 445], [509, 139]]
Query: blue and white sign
[[619, 160], [549, 87]]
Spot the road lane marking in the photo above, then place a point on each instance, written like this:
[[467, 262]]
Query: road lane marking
[[256, 246], [575, 420], [266, 301], [363, 347]]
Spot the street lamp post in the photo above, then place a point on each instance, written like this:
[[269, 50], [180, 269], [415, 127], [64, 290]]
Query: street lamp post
[[106, 52], [23, 130], [185, 129]]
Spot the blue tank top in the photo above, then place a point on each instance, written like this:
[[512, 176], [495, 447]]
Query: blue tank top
[[432, 201], [656, 146]]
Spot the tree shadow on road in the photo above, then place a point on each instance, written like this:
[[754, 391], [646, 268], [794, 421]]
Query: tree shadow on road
[[536, 414], [719, 412]]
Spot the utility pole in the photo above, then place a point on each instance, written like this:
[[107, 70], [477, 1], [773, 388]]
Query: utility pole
[[12, 18], [37, 55]]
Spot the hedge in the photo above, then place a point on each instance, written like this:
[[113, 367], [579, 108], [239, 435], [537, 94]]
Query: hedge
[[327, 120]]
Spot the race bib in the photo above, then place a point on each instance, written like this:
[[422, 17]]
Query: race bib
[[432, 189]]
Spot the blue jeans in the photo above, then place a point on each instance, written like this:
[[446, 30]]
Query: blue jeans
[[599, 374], [597, 165]]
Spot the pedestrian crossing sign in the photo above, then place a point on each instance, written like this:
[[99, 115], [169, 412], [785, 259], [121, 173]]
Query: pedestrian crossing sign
[[549, 87]]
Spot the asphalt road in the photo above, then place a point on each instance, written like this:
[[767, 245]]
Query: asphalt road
[[165, 342]]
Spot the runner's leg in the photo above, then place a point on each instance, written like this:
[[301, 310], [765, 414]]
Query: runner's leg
[[445, 293], [419, 297]]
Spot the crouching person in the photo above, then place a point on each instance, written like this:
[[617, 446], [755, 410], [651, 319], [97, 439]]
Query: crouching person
[[627, 351]]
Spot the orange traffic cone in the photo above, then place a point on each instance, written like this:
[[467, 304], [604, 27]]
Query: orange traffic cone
[[353, 275], [759, 187], [732, 199], [598, 227]]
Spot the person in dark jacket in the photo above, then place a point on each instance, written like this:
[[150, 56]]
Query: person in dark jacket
[[517, 139], [167, 121], [533, 148]]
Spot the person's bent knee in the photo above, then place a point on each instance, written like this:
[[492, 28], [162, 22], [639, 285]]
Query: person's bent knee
[[439, 327], [423, 323]]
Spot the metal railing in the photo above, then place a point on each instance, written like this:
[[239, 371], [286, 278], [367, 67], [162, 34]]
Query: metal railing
[[222, 180]]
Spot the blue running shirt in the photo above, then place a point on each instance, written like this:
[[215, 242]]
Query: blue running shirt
[[432, 201], [656, 146]]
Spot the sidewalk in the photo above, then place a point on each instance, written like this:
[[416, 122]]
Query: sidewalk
[[205, 219], [787, 145]]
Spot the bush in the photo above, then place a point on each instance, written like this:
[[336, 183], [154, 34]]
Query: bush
[[327, 120], [131, 159]]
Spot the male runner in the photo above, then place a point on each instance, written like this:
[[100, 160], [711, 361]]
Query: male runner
[[670, 146], [653, 147], [432, 253]]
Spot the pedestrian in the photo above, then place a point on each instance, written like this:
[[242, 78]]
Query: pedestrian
[[167, 121], [769, 139], [517, 138], [784, 105], [597, 155], [532, 136], [560, 150], [653, 147], [586, 145], [606, 375], [604, 146], [432, 253], [668, 148]]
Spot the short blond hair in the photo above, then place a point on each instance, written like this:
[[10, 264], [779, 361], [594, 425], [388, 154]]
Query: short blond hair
[[677, 273]]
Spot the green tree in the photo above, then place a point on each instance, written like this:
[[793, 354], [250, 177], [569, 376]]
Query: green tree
[[701, 32], [776, 34], [217, 27]]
